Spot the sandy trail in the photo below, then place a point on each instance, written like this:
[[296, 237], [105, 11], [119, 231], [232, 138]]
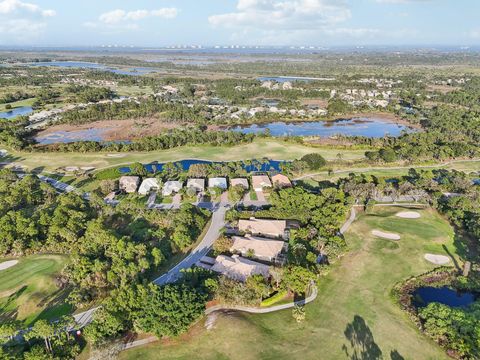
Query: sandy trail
[[408, 215], [437, 259], [8, 264], [385, 235]]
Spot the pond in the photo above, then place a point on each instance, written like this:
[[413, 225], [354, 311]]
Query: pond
[[95, 66], [19, 111], [443, 295], [369, 127], [249, 167]]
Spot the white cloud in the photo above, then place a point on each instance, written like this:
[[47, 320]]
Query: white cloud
[[166, 13], [22, 20], [17, 7], [475, 33], [282, 22], [284, 14], [112, 17], [119, 15], [400, 1], [119, 20]]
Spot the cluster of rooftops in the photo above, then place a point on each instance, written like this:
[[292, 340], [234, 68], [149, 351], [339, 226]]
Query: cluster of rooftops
[[263, 244], [131, 184]]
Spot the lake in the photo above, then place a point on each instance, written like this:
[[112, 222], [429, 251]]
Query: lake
[[19, 111], [95, 66], [443, 295], [369, 127], [253, 166]]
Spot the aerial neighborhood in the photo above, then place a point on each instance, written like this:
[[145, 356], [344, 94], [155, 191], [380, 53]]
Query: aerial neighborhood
[[313, 198], [196, 189]]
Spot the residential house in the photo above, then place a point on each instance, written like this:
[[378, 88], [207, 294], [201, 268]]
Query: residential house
[[217, 182], [238, 268], [257, 247], [281, 181], [239, 182], [260, 181], [171, 187], [129, 184], [148, 185], [197, 184], [266, 227]]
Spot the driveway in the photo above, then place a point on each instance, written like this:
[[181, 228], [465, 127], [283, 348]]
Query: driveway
[[260, 196], [176, 200], [217, 223]]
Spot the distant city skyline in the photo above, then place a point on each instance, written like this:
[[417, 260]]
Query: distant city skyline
[[317, 23]]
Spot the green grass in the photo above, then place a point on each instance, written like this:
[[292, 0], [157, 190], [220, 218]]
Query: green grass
[[28, 292], [353, 310], [275, 299], [461, 165], [16, 104], [270, 148]]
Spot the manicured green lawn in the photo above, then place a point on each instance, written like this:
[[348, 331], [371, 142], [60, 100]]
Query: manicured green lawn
[[16, 104], [353, 311], [270, 148], [467, 166], [28, 291]]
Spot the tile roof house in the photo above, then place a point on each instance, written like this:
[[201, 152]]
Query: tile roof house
[[260, 248], [171, 186], [266, 227], [129, 184], [281, 181], [217, 182], [238, 268], [239, 182], [148, 185], [196, 184], [260, 181]]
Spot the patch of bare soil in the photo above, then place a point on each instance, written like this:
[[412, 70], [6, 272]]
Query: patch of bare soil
[[444, 89], [315, 102], [129, 129]]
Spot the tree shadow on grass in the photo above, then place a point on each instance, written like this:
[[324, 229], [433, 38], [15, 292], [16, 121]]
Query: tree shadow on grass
[[11, 314], [455, 263], [395, 355], [465, 246], [362, 344]]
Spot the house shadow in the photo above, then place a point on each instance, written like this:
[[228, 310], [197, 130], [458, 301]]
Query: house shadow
[[362, 343]]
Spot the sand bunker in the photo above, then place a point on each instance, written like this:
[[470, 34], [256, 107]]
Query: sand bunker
[[116, 155], [437, 259], [408, 215], [7, 264], [385, 235]]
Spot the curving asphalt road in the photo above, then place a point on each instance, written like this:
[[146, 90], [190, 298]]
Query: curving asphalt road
[[217, 223]]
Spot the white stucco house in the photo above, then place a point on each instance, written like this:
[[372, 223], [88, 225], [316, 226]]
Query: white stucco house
[[171, 187]]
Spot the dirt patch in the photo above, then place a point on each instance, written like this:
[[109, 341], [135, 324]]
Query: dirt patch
[[114, 130], [315, 102], [444, 89], [385, 235], [8, 264], [385, 116], [437, 259], [408, 215]]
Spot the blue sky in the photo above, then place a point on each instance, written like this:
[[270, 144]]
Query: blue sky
[[242, 22]]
